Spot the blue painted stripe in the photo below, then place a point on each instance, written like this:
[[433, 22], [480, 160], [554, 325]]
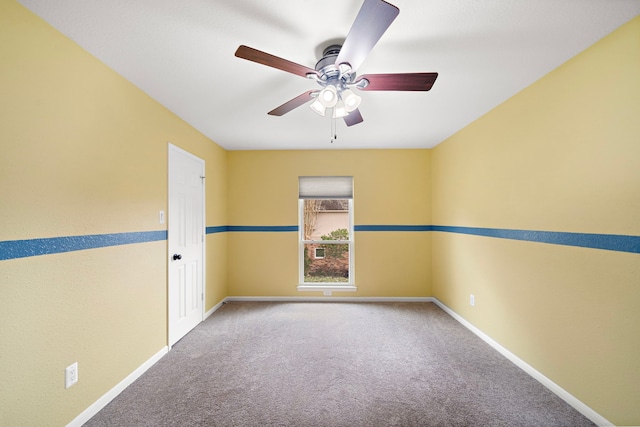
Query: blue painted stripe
[[33, 247], [392, 228], [12, 249], [217, 229], [262, 228], [611, 242]]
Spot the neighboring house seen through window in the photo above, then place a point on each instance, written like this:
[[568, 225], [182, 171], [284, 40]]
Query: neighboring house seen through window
[[326, 232]]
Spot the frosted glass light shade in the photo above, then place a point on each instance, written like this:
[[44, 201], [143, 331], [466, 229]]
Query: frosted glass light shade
[[328, 96], [351, 100], [318, 107], [339, 110]]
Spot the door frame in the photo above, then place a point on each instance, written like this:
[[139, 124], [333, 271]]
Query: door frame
[[174, 148]]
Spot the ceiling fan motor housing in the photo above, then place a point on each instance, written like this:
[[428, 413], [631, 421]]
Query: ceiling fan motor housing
[[329, 71]]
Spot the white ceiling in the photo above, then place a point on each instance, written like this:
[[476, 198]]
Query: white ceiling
[[181, 53]]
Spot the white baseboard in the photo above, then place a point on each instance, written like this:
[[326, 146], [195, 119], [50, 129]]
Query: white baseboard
[[555, 388], [214, 309], [331, 299], [111, 394]]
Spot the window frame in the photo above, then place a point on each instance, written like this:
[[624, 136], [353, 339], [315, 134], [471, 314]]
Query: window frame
[[327, 287]]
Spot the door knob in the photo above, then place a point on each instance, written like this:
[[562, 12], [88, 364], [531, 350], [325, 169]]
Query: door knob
[[177, 256]]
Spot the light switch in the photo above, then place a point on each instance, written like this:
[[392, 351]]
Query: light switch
[[161, 217]]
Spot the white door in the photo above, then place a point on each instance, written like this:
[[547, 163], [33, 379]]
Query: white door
[[185, 242]]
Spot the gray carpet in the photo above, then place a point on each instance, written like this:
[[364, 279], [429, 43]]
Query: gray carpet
[[335, 364]]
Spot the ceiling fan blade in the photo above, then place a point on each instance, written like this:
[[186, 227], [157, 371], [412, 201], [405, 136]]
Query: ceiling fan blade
[[408, 81], [353, 118], [269, 60], [294, 103], [372, 21]]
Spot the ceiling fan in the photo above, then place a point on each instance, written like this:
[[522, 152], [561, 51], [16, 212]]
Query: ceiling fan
[[336, 71]]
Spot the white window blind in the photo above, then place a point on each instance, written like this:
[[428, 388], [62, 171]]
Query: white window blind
[[325, 187]]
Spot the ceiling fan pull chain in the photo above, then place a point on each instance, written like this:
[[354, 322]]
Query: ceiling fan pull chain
[[334, 135]]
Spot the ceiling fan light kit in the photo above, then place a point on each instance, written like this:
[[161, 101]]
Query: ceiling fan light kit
[[336, 70], [342, 101]]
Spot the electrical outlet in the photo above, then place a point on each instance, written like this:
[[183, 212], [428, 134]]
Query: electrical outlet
[[71, 375], [327, 293], [472, 300]]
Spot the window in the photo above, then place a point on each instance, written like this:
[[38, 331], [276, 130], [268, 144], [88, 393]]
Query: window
[[326, 233]]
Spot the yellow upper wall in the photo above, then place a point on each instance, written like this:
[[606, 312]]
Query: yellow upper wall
[[79, 141], [390, 186], [562, 155]]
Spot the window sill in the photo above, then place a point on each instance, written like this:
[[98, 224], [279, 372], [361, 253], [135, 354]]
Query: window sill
[[327, 287]]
